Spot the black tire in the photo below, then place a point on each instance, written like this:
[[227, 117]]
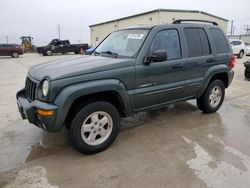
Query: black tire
[[14, 54], [76, 52], [241, 53], [204, 103], [44, 54], [75, 135], [247, 72], [49, 52]]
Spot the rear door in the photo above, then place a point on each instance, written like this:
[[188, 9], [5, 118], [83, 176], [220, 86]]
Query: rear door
[[199, 58], [161, 82]]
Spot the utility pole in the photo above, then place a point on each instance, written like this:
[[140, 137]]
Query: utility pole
[[7, 39], [59, 31], [247, 30], [232, 27], [81, 32]]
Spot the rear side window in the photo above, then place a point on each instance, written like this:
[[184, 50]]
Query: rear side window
[[197, 42], [219, 41]]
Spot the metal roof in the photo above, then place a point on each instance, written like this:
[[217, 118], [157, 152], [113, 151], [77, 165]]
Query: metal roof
[[161, 10]]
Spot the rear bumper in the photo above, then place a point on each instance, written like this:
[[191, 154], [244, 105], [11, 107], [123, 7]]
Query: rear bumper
[[230, 76], [28, 111]]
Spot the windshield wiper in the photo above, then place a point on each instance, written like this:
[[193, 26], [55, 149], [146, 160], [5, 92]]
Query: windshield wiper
[[110, 53], [97, 53]]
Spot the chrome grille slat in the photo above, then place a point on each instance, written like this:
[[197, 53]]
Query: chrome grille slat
[[30, 89]]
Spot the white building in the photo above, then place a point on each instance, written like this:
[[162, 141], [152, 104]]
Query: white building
[[160, 16]]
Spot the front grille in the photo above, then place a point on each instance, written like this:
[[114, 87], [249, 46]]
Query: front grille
[[30, 89]]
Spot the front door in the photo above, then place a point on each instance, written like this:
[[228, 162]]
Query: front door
[[159, 83]]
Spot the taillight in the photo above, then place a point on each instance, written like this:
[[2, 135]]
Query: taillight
[[233, 62]]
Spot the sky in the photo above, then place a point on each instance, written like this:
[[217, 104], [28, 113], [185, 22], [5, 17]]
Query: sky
[[40, 18]]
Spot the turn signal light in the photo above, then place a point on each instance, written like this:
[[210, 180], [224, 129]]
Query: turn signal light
[[42, 112]]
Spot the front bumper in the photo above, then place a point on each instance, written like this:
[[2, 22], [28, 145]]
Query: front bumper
[[27, 110]]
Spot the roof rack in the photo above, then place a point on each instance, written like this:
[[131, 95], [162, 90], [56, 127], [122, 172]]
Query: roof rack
[[193, 20]]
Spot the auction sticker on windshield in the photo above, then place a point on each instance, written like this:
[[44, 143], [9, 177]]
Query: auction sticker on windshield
[[135, 36]]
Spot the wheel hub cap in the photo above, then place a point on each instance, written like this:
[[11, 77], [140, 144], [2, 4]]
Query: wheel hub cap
[[215, 96], [96, 128]]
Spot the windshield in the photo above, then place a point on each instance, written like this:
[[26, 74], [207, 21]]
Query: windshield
[[125, 43]]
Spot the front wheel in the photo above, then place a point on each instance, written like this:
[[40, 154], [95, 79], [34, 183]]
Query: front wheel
[[95, 127], [212, 98], [49, 52]]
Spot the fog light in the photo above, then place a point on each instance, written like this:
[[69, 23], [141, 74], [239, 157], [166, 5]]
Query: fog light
[[45, 112]]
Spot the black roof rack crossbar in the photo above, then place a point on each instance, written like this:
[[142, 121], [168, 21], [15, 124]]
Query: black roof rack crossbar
[[193, 20]]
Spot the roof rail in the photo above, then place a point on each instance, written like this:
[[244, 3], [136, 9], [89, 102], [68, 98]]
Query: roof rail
[[193, 20]]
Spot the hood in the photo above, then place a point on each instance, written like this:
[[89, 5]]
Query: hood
[[76, 66]]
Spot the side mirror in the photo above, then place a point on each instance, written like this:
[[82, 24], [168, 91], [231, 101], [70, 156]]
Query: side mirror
[[157, 56]]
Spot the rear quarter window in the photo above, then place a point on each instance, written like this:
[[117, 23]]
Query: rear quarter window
[[219, 40]]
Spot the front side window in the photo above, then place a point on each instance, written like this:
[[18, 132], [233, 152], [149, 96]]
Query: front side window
[[124, 43], [167, 40]]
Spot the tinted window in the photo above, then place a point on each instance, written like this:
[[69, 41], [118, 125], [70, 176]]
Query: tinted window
[[193, 42], [206, 50], [167, 40], [6, 45], [59, 43], [219, 41], [66, 42], [197, 42]]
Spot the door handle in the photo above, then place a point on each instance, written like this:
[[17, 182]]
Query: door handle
[[210, 60], [177, 66]]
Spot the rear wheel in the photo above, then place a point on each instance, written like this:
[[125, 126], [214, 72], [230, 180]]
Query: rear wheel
[[212, 98], [14, 55], [241, 53], [95, 127]]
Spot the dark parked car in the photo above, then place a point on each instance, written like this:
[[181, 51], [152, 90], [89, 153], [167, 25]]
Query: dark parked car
[[131, 71], [247, 69], [12, 50], [61, 46]]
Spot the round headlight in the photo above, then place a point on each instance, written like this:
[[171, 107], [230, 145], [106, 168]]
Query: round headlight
[[45, 87]]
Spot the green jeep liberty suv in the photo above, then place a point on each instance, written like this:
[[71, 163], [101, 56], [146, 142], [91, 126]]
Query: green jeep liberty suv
[[132, 70]]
